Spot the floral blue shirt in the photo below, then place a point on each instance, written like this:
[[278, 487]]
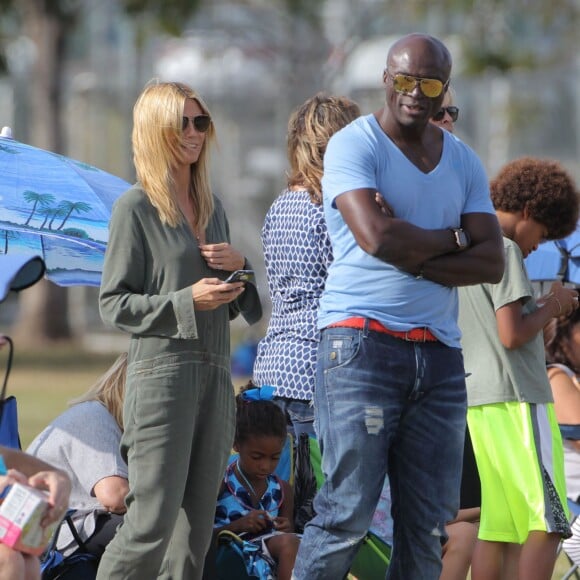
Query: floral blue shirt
[[297, 253], [234, 501]]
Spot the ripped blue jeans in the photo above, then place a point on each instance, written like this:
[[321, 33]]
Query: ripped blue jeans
[[385, 406]]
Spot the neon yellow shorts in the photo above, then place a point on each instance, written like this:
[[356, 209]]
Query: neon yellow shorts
[[520, 459]]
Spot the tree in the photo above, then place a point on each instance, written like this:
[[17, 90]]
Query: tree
[[49, 23], [43, 309], [493, 33]]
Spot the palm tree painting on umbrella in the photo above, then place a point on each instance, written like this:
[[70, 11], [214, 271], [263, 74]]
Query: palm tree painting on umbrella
[[64, 208], [69, 207], [6, 236], [38, 199], [55, 212]]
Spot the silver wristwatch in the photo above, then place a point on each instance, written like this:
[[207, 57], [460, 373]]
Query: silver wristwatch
[[461, 238]]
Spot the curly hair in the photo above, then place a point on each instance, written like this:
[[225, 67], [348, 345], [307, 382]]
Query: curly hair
[[557, 335], [542, 187], [309, 129]]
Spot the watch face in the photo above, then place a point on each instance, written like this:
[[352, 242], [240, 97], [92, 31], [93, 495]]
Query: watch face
[[460, 238]]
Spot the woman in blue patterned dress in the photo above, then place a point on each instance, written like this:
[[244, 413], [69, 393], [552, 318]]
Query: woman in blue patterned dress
[[297, 253]]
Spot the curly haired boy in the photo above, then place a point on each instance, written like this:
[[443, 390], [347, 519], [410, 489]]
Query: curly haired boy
[[511, 417]]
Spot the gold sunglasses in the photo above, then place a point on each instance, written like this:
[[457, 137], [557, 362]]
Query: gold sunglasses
[[431, 88]]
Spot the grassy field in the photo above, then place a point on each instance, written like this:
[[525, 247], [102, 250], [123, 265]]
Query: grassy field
[[44, 381]]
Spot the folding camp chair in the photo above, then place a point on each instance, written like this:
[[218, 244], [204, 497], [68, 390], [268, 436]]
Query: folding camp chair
[[9, 436], [78, 566], [372, 559], [571, 432]]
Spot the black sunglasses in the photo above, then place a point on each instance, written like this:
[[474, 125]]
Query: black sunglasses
[[453, 112], [200, 123]]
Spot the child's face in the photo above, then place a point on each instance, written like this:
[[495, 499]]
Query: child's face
[[259, 455], [529, 234]]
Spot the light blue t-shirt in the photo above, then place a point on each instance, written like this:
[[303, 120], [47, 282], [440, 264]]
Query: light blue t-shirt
[[361, 156]]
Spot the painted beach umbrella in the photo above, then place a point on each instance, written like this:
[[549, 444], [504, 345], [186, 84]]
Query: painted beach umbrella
[[57, 208]]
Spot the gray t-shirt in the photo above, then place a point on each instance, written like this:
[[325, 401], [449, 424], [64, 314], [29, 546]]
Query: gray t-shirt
[[499, 374], [84, 442]]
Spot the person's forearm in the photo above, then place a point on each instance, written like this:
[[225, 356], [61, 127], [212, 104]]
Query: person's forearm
[[27, 464], [407, 246], [528, 326], [483, 263]]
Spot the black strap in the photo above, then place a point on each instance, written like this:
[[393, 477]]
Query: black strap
[[564, 259], [73, 530], [6, 374]]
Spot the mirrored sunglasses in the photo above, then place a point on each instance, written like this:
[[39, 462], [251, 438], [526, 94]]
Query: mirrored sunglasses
[[200, 123], [453, 112], [431, 88]]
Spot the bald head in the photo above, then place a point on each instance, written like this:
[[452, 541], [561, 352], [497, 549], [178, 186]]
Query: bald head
[[427, 49]]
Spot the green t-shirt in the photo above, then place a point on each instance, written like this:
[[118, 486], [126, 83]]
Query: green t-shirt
[[497, 374]]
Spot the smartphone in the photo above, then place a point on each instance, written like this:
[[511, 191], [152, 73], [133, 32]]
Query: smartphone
[[242, 276]]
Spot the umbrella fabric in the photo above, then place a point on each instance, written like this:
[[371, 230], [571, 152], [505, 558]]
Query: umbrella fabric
[[18, 272], [57, 208], [556, 260]]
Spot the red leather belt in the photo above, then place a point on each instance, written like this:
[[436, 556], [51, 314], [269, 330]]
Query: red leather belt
[[422, 334]]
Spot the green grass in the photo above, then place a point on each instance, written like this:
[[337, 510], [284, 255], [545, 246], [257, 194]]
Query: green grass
[[43, 382]]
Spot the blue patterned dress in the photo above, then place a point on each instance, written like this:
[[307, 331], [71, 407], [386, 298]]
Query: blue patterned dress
[[234, 501], [297, 253]]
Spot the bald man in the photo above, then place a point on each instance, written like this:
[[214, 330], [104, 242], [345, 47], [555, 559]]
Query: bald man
[[390, 393]]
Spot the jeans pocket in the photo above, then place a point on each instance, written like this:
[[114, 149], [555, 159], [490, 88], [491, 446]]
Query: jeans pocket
[[340, 347], [305, 415]]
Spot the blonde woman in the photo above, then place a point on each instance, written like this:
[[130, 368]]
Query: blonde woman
[[297, 253], [168, 255], [84, 443]]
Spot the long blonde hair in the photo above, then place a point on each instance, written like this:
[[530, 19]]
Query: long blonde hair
[[309, 129], [109, 389], [157, 137]]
